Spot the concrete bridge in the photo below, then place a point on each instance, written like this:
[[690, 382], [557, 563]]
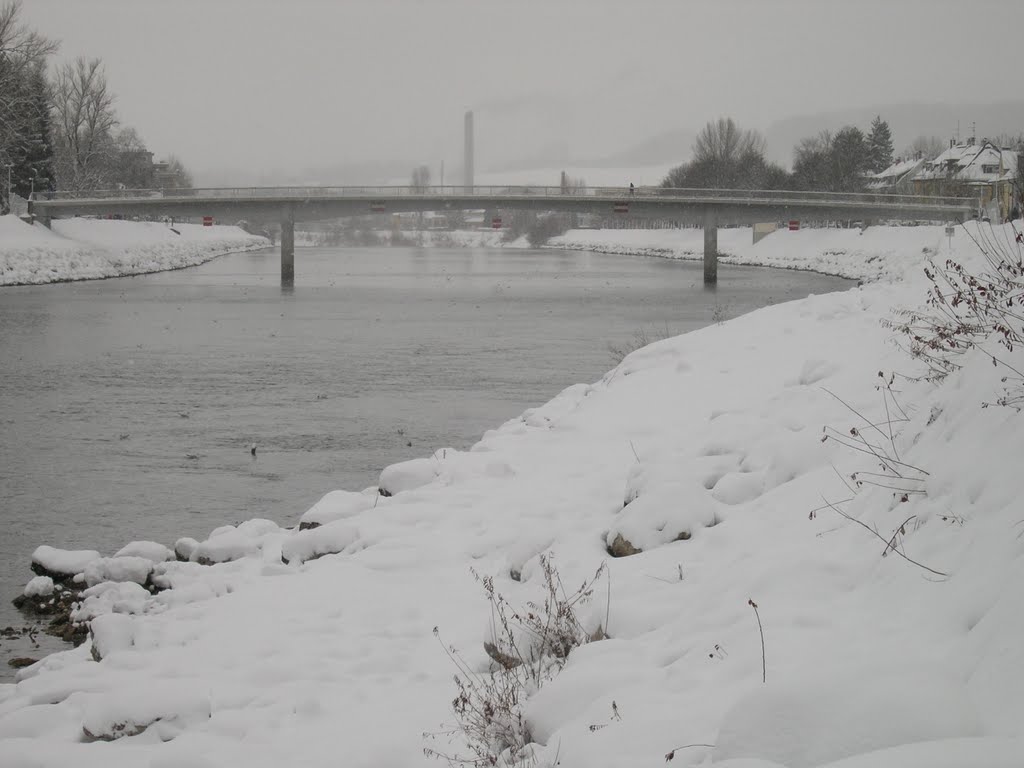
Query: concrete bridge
[[706, 207]]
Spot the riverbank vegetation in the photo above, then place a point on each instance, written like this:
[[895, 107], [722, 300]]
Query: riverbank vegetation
[[59, 127]]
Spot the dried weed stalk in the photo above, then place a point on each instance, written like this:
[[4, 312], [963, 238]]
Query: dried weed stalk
[[529, 646]]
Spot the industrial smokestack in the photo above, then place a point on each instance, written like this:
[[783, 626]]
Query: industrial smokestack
[[468, 159]]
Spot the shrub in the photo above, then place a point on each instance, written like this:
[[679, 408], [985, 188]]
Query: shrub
[[968, 311], [528, 647]]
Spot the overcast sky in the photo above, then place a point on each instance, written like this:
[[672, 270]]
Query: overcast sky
[[300, 83]]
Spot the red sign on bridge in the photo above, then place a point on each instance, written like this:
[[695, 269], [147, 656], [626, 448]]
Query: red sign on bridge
[[207, 221], [794, 225], [621, 207], [496, 222]]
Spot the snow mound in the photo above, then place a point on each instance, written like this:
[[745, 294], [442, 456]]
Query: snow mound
[[807, 723], [150, 550], [945, 753], [109, 633], [111, 597], [135, 569], [39, 586], [407, 476], [327, 539], [336, 505], [185, 547], [63, 562], [169, 707], [229, 543], [672, 512]]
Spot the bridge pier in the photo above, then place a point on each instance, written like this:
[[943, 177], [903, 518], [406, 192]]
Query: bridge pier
[[288, 245], [710, 246]]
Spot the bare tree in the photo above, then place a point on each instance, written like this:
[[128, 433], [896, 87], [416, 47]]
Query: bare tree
[[722, 142], [23, 53], [926, 147], [420, 178], [84, 124], [728, 157]]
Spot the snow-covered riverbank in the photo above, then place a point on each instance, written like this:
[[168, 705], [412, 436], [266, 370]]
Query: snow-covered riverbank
[[85, 249], [756, 625], [872, 254]]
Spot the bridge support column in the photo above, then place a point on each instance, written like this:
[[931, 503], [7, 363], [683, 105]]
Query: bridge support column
[[288, 246], [710, 246]]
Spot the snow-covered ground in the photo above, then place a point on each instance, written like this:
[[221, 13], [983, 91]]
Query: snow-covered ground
[[870, 254], [84, 249], [757, 628]]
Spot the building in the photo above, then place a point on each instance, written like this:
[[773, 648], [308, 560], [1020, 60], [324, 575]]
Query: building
[[982, 171], [898, 178]]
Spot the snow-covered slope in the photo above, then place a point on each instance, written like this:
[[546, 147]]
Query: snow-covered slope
[[874, 253], [757, 623], [82, 249]]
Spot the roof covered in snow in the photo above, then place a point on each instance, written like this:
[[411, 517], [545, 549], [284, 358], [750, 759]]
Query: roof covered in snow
[[985, 163]]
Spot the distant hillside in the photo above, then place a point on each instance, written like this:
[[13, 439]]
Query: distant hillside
[[670, 147], [907, 121]]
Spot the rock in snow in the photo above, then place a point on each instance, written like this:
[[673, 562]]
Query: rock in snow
[[61, 564]]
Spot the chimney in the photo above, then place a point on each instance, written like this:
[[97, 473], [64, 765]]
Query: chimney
[[468, 157]]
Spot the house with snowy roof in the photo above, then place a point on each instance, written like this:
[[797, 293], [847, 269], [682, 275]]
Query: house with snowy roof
[[898, 178], [982, 171]]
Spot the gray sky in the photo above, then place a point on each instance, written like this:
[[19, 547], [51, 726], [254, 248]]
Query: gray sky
[[305, 83]]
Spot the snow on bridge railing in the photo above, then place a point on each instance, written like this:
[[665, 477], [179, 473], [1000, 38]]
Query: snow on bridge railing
[[665, 194]]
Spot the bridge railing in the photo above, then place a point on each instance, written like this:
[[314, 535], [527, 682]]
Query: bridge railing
[[741, 196]]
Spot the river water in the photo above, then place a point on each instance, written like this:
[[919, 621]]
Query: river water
[[128, 406]]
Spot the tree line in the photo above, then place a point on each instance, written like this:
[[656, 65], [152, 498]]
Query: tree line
[[59, 129], [726, 156]]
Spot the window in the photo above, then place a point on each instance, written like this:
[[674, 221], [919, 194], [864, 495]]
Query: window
[[990, 169]]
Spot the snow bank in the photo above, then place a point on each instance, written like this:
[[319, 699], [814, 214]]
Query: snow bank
[[851, 659], [82, 249], [876, 253]]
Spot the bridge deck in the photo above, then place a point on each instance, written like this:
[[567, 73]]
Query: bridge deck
[[489, 194]]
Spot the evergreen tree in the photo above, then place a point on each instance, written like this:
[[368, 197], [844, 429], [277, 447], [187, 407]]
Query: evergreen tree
[[879, 145], [849, 160], [33, 169], [22, 52]]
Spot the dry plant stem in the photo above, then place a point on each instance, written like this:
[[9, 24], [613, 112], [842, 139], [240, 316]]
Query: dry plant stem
[[634, 452], [764, 666], [875, 533], [857, 413], [608, 603], [841, 439], [900, 530], [672, 753]]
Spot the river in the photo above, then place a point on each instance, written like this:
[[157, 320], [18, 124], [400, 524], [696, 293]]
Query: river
[[128, 406]]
